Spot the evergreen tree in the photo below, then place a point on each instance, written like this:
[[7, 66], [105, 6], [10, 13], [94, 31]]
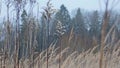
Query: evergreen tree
[[80, 30], [79, 24], [63, 16], [41, 34], [95, 28], [95, 24], [23, 33]]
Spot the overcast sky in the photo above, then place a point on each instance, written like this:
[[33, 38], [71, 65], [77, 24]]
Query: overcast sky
[[71, 4], [85, 4]]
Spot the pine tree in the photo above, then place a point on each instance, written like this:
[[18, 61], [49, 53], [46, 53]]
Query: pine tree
[[79, 24], [24, 33], [95, 28], [95, 24], [80, 30], [63, 16]]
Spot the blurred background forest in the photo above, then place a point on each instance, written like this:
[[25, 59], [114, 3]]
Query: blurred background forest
[[26, 34]]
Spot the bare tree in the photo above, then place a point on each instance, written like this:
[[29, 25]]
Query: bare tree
[[18, 4], [32, 36]]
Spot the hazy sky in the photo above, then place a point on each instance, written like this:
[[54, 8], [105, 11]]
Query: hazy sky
[[85, 4], [71, 4]]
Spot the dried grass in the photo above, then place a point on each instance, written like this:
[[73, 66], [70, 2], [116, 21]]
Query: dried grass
[[86, 59]]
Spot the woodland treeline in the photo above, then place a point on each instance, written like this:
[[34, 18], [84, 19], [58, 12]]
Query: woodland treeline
[[27, 35], [80, 32]]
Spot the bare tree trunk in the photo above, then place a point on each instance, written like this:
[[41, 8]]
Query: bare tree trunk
[[34, 43], [17, 44], [5, 47], [30, 44], [48, 21], [8, 33], [31, 33]]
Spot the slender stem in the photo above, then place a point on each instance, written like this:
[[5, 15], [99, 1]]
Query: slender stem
[[48, 21], [103, 34], [60, 54]]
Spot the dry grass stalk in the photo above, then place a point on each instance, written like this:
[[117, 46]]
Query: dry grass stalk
[[104, 36], [103, 33]]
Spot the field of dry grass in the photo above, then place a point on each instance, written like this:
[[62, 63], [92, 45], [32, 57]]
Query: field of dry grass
[[86, 59]]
